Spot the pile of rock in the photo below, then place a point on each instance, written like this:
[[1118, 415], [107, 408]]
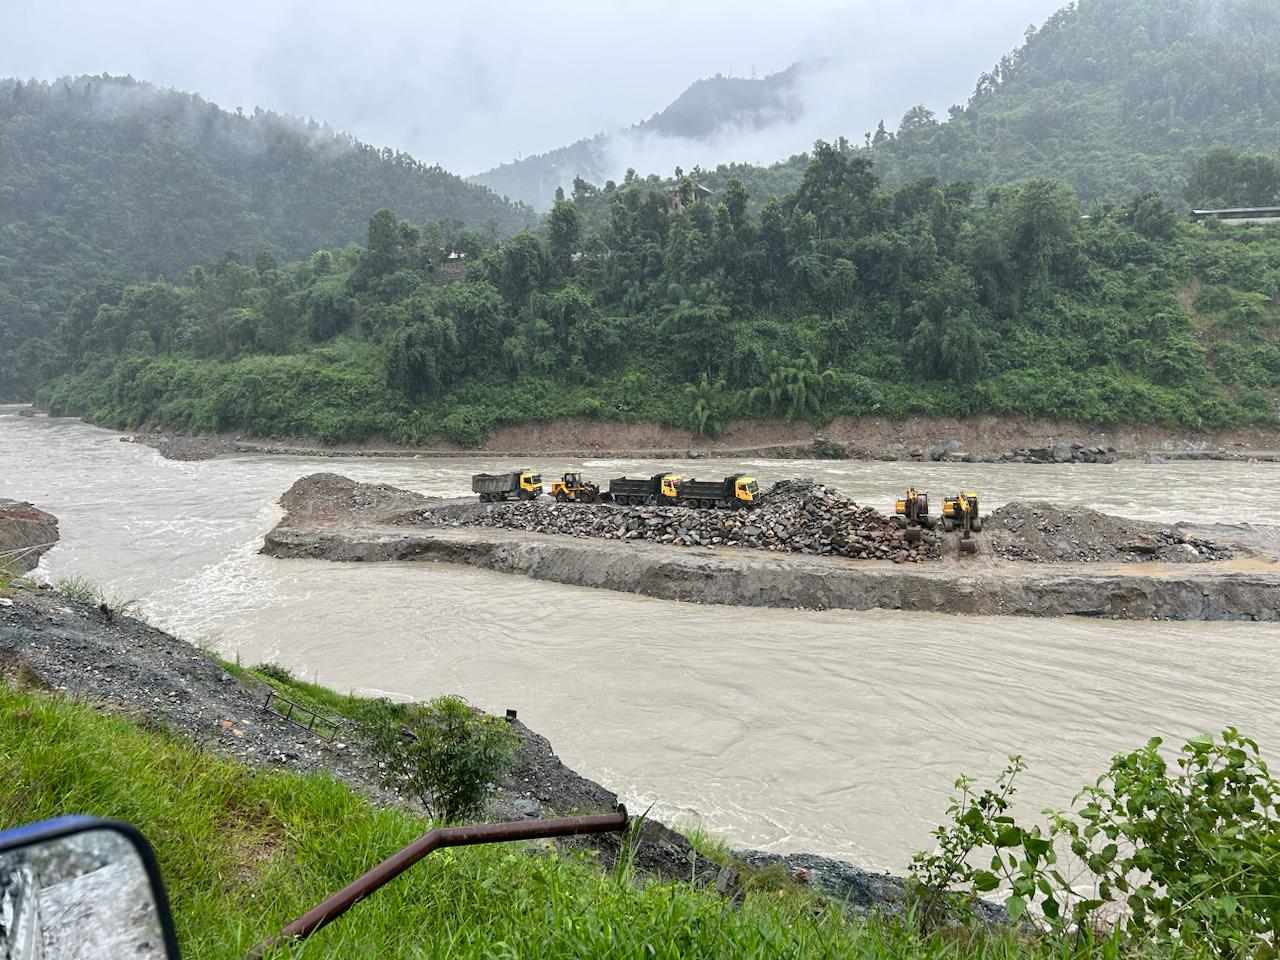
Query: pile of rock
[[797, 516], [1045, 533], [953, 452]]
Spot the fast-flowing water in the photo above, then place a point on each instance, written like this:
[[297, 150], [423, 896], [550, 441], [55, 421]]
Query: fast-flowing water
[[835, 732]]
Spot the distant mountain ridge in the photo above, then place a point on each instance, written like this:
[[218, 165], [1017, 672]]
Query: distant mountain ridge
[[705, 108]]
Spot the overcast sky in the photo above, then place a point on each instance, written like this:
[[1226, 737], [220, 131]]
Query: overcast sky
[[473, 83]]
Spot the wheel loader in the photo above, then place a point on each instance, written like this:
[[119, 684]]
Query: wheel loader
[[572, 488]]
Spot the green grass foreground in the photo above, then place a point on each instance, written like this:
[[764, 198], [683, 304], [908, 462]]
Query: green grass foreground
[[243, 853]]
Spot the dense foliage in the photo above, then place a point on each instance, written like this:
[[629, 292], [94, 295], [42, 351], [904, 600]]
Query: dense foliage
[[842, 298], [1187, 856], [105, 177]]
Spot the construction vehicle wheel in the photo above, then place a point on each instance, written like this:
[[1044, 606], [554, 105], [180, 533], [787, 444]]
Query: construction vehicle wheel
[[968, 546], [901, 522], [928, 522], [948, 525], [562, 496], [914, 534], [977, 524]]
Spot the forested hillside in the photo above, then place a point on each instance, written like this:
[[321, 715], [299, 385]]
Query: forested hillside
[[705, 108], [106, 177], [645, 302], [1115, 97]]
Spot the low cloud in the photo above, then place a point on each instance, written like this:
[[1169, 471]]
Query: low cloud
[[470, 85]]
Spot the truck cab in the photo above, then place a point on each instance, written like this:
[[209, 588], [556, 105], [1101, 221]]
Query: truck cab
[[668, 488], [746, 491], [530, 484]]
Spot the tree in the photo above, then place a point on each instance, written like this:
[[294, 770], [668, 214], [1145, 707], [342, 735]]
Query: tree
[[421, 357], [806, 387], [774, 390], [704, 403], [518, 268], [1225, 178], [564, 235]]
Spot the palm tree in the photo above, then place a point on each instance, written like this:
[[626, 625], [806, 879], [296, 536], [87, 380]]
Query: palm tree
[[703, 398], [774, 389], [806, 387]]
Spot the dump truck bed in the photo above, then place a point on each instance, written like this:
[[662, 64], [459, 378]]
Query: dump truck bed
[[495, 482]]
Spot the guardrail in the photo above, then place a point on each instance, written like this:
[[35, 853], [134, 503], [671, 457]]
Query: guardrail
[[342, 901], [301, 715]]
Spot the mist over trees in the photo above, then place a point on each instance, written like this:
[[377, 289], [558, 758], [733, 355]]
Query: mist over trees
[[1114, 97], [106, 178]]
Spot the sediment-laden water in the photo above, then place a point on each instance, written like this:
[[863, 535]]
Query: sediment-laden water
[[834, 732]]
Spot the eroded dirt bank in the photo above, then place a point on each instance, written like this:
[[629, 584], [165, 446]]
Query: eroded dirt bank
[[26, 532], [980, 439], [1246, 587]]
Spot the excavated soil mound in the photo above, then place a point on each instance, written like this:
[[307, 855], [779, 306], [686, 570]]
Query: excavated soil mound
[[1044, 533], [327, 498], [797, 516]]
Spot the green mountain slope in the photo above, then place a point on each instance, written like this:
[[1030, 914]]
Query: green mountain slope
[[1114, 96], [110, 177]]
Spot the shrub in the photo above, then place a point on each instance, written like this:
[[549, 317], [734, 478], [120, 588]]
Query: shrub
[[468, 426], [445, 753], [274, 672], [1192, 856], [79, 589]]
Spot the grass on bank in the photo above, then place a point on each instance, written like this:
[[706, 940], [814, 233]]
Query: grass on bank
[[243, 853]]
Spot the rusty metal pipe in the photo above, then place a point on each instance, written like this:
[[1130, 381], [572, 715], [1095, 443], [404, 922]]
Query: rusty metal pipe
[[342, 901]]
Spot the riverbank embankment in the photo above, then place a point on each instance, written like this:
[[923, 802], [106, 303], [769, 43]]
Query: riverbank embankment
[[921, 439], [26, 533], [320, 524], [65, 647]]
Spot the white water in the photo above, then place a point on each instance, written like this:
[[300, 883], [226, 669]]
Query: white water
[[834, 732]]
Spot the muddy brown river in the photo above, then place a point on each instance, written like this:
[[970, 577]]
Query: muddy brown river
[[833, 732]]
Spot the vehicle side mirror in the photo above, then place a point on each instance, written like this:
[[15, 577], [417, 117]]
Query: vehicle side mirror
[[78, 888]]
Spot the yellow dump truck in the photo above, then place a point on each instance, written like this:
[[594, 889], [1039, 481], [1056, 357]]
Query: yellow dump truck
[[514, 485]]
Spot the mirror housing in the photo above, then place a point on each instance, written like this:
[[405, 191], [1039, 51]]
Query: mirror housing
[[81, 887]]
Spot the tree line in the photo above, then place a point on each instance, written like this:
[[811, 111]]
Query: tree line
[[651, 299]]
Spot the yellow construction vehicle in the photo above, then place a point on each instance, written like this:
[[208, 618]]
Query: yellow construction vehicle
[[961, 513], [912, 513], [514, 484], [571, 487], [912, 510]]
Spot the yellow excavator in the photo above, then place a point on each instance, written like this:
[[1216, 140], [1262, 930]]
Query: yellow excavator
[[961, 513], [912, 512]]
